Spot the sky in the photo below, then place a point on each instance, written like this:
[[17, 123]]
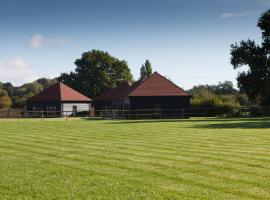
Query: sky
[[185, 40]]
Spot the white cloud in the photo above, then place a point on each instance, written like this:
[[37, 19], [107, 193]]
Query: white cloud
[[18, 71], [39, 41], [237, 14]]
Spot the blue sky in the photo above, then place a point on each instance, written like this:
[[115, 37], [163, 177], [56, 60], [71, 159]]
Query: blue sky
[[185, 40]]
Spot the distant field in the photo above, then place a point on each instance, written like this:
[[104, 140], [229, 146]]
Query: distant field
[[178, 159]]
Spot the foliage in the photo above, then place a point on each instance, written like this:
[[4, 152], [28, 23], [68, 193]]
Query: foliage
[[243, 99], [146, 70], [221, 88], [5, 101], [96, 72], [207, 99], [17, 96], [221, 97], [255, 81], [143, 72]]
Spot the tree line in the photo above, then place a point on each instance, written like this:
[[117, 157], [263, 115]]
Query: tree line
[[97, 71], [11, 96]]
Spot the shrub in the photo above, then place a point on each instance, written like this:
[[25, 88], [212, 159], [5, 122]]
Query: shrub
[[222, 104]]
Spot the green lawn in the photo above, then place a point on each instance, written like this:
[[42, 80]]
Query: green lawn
[[178, 159]]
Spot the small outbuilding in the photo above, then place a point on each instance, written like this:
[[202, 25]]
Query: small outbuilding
[[153, 92], [58, 99]]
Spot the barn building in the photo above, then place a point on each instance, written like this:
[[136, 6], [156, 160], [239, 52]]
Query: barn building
[[59, 99], [153, 92]]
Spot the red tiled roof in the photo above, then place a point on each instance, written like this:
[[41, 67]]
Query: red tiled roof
[[59, 92], [157, 85], [115, 93], [154, 85]]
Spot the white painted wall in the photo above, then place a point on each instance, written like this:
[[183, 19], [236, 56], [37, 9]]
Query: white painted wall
[[68, 107]]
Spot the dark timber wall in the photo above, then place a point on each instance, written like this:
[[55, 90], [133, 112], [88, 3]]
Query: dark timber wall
[[39, 106], [100, 105], [162, 102]]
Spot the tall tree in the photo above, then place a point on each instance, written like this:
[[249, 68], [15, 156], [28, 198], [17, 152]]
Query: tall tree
[[255, 81], [95, 72], [146, 69], [5, 101], [143, 72]]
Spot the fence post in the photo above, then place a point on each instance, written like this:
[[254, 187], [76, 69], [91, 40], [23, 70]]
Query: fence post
[[66, 116], [113, 114], [42, 114], [183, 112]]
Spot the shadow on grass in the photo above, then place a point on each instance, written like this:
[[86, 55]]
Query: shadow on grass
[[208, 122], [242, 125]]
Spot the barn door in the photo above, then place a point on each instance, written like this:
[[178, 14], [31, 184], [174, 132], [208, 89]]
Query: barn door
[[74, 110]]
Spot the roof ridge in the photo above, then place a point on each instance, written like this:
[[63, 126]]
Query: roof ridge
[[62, 85], [172, 83], [156, 74], [60, 90], [140, 82]]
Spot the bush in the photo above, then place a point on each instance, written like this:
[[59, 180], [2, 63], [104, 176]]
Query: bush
[[5, 101], [223, 104]]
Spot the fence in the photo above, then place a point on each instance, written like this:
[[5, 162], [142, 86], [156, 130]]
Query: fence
[[141, 114], [10, 113], [183, 113]]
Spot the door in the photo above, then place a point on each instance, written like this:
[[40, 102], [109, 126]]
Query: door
[[74, 110]]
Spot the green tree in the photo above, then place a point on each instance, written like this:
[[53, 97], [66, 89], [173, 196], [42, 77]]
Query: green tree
[[225, 87], [143, 72], [255, 81], [146, 70], [96, 72], [9, 88], [220, 95], [5, 101], [17, 96], [222, 88]]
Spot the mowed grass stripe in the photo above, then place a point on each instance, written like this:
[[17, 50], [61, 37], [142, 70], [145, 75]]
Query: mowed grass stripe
[[184, 178], [172, 187], [167, 158], [190, 167], [207, 145], [188, 152], [251, 167], [200, 144], [190, 155], [154, 163], [160, 157]]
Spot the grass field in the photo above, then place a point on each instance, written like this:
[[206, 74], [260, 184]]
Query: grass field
[[178, 159]]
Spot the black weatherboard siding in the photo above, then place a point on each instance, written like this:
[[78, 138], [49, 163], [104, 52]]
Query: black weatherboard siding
[[43, 106], [161, 102]]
